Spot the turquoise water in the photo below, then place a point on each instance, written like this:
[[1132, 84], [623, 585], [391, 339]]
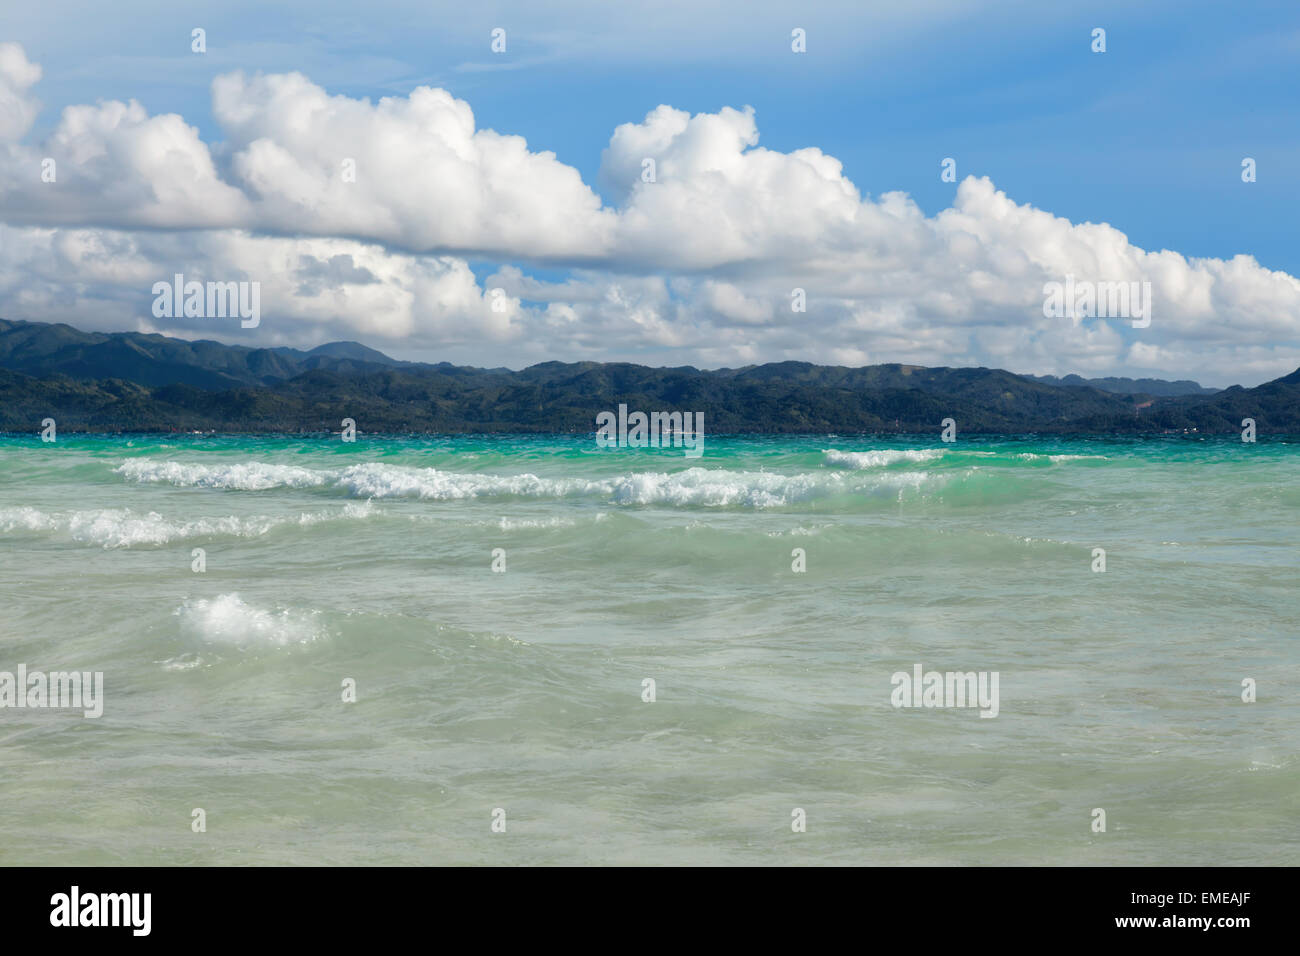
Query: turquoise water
[[522, 689]]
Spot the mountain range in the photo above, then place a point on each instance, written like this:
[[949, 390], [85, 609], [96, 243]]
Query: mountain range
[[130, 381]]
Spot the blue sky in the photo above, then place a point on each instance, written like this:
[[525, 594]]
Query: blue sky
[[1147, 137]]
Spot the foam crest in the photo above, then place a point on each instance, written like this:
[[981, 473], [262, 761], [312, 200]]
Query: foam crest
[[373, 480], [716, 488], [692, 487], [860, 460], [245, 476], [228, 619], [113, 528]]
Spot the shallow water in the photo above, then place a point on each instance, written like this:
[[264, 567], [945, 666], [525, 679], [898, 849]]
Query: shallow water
[[522, 690]]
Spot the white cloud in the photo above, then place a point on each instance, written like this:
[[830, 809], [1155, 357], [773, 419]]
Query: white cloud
[[312, 290], [17, 107], [696, 267], [425, 177]]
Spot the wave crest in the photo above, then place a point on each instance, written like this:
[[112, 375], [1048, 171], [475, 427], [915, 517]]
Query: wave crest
[[112, 528], [246, 476], [859, 460], [697, 487], [227, 619]]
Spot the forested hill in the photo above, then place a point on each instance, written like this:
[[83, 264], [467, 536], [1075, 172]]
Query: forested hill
[[139, 382]]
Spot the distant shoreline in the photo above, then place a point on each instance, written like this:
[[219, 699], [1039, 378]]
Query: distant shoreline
[[132, 382]]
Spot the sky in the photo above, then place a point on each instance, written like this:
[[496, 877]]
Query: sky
[[384, 175]]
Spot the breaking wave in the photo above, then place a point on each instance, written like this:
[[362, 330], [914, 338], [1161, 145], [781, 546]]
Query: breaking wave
[[700, 487], [112, 528], [248, 476], [859, 460], [227, 619]]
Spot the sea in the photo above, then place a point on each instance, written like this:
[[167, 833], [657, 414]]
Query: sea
[[529, 650]]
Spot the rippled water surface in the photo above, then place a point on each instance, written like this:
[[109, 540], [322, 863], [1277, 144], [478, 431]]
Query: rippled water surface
[[523, 690]]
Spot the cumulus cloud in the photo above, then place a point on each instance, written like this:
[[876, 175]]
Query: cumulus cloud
[[17, 107], [312, 290], [116, 165], [410, 171], [360, 220], [719, 199]]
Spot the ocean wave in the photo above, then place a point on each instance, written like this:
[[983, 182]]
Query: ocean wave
[[227, 619], [692, 487], [246, 476], [883, 458], [714, 488], [799, 531], [351, 510], [1031, 456], [113, 528], [859, 460], [372, 480], [25, 519], [506, 523]]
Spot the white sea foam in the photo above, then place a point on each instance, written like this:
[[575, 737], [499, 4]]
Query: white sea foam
[[25, 519], [712, 488], [351, 510], [693, 487], [1030, 456], [523, 524], [227, 619], [245, 476], [374, 480], [113, 528], [704, 487], [799, 531], [859, 460], [123, 528]]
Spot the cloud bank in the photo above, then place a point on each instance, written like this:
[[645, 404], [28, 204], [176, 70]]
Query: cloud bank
[[362, 220]]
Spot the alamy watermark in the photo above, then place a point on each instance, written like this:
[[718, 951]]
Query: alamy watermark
[[656, 430], [75, 690], [129, 910], [947, 689], [214, 300], [1103, 300]]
